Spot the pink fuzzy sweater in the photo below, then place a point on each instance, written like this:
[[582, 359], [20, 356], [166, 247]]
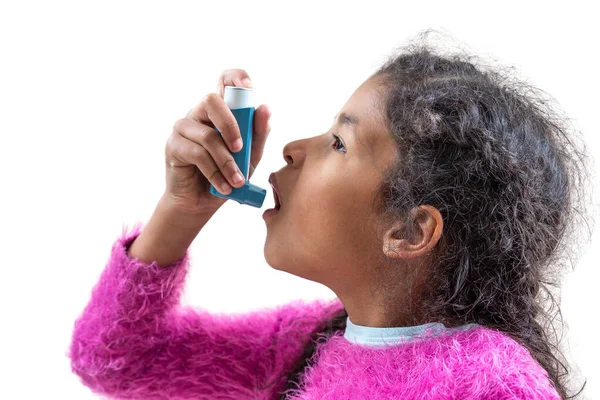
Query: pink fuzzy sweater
[[134, 341]]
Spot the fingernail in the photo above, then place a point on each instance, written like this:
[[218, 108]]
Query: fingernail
[[247, 81], [237, 145], [238, 178]]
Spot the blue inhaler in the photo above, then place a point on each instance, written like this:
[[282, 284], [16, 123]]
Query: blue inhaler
[[241, 103]]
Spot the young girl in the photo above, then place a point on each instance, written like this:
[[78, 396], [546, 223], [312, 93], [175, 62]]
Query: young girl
[[434, 208]]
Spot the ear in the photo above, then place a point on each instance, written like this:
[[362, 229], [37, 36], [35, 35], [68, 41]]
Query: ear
[[427, 232]]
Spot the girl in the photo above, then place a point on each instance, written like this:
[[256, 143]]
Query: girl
[[442, 196]]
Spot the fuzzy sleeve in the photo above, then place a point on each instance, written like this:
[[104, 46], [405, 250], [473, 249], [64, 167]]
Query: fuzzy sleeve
[[134, 341]]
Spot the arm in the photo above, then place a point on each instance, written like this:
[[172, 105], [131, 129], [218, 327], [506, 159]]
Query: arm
[[133, 341]]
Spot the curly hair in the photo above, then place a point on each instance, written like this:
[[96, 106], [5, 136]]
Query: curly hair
[[502, 167]]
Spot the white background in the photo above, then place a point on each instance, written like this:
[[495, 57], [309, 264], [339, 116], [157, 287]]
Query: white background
[[89, 92]]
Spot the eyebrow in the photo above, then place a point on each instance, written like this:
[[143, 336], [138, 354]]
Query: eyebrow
[[346, 119], [351, 121]]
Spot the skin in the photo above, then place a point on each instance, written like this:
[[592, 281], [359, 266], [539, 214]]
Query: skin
[[326, 229]]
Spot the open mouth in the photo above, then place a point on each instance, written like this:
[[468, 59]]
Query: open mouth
[[275, 186], [273, 211], [277, 202]]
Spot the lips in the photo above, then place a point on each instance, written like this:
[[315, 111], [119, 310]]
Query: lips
[[276, 192]]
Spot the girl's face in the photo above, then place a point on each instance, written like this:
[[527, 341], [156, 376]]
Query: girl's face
[[325, 230]]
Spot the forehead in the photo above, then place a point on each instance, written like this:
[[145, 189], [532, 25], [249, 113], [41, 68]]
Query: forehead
[[367, 100]]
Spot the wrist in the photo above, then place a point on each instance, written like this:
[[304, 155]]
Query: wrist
[[167, 235], [167, 211]]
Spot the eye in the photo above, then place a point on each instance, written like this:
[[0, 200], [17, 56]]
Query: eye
[[338, 141]]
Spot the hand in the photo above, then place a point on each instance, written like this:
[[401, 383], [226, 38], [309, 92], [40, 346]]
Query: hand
[[197, 156]]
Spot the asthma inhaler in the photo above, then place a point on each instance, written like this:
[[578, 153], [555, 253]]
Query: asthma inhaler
[[241, 103]]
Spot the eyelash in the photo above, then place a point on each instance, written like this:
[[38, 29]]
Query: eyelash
[[337, 139]]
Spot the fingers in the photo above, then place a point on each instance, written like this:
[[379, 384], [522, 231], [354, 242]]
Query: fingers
[[233, 77], [183, 152], [207, 144], [262, 129], [213, 110]]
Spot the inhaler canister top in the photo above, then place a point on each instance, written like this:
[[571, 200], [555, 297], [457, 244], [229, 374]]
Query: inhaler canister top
[[238, 97]]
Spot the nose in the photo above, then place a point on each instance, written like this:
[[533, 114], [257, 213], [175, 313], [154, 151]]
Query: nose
[[294, 152]]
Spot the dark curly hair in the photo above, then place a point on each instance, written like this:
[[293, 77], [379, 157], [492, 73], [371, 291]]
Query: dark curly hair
[[503, 169]]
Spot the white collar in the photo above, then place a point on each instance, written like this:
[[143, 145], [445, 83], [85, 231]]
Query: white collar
[[375, 336]]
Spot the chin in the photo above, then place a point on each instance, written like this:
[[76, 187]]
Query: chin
[[276, 263], [279, 262], [271, 257], [276, 259]]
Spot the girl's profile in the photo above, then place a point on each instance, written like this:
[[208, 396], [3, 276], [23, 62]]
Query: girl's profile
[[440, 207]]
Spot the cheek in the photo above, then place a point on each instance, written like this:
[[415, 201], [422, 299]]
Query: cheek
[[321, 201], [326, 213]]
